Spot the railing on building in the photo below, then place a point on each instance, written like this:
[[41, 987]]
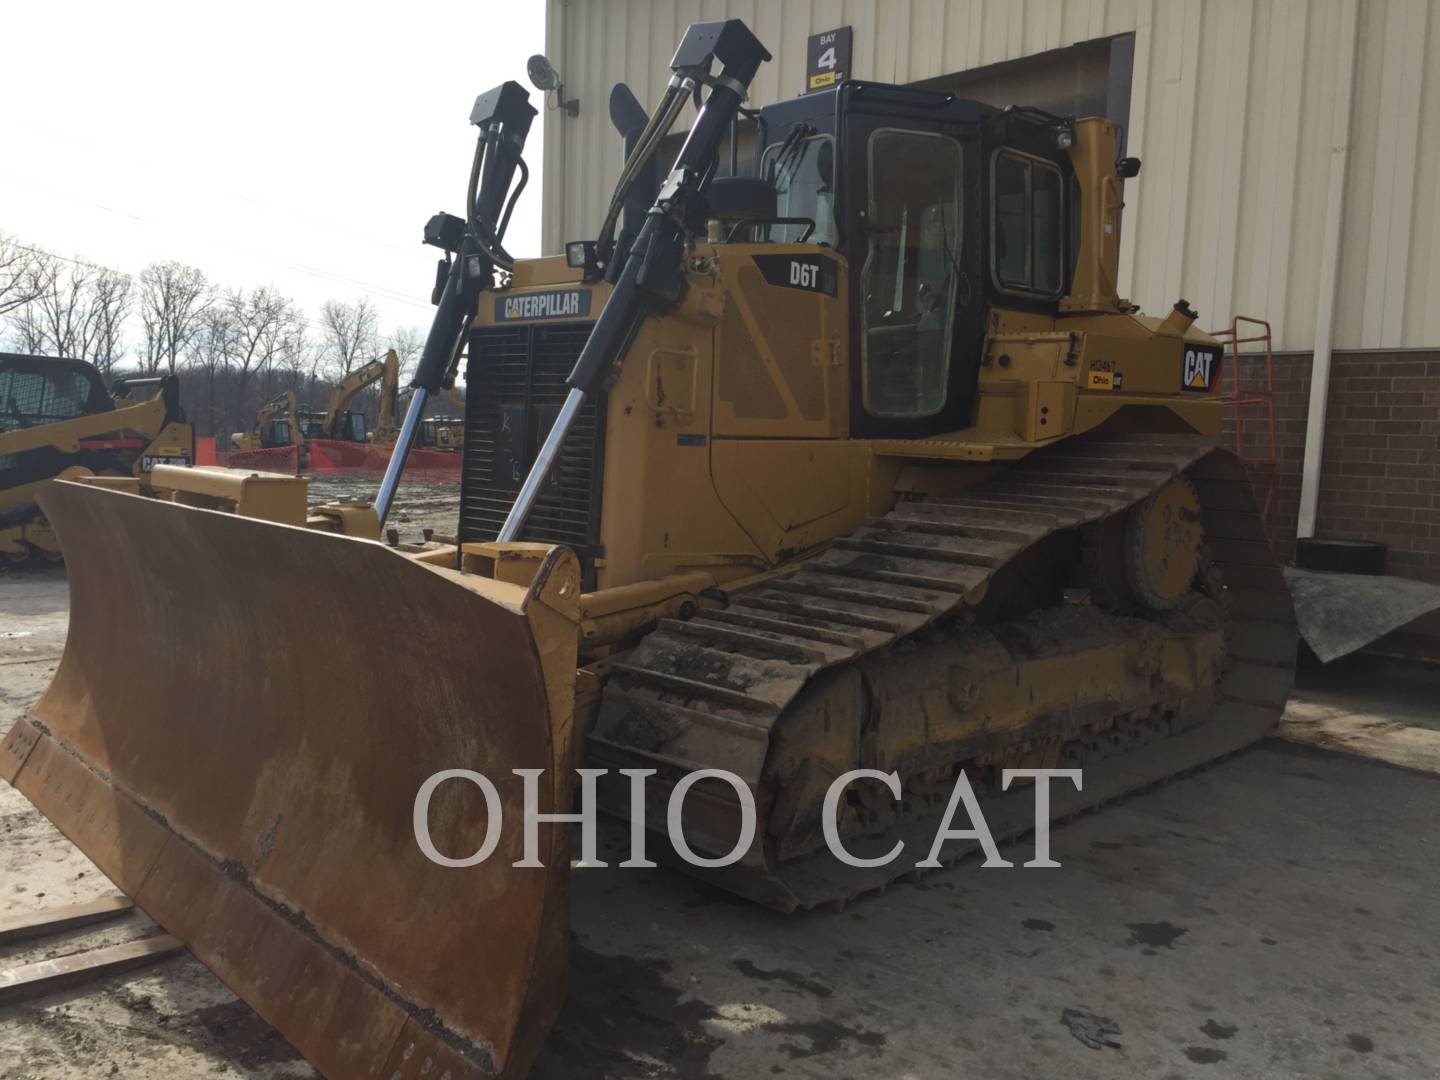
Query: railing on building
[[1250, 421]]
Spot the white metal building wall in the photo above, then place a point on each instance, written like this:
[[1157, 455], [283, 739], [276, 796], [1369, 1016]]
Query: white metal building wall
[[1238, 110]]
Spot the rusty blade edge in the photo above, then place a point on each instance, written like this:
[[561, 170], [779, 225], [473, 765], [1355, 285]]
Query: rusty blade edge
[[420, 1038]]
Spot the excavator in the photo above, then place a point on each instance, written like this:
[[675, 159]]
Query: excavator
[[851, 459], [56, 419], [276, 424], [338, 422]]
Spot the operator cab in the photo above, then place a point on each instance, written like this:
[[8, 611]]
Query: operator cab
[[277, 434], [351, 427], [943, 208]]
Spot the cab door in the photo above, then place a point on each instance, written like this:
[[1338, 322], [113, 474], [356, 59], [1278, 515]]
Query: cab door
[[912, 235]]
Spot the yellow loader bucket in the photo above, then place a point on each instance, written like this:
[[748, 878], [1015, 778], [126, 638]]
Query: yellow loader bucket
[[237, 733]]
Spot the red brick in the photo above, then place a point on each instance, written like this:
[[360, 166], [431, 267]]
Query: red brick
[[1405, 531], [1394, 485], [1411, 367], [1413, 384], [1378, 383], [1403, 457], [1418, 500], [1353, 494], [1412, 412], [1362, 468], [1352, 427], [1417, 472]]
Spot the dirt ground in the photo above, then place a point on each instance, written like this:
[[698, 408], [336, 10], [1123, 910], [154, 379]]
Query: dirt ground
[[417, 505], [1272, 915]]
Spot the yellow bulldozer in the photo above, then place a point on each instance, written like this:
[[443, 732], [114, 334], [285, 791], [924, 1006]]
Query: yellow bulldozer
[[57, 419], [851, 460]]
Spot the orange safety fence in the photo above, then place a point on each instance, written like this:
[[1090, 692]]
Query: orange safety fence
[[329, 456], [276, 459]]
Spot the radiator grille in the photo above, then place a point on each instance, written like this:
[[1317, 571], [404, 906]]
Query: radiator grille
[[514, 387]]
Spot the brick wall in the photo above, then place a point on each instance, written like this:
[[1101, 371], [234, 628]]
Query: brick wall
[[1380, 478]]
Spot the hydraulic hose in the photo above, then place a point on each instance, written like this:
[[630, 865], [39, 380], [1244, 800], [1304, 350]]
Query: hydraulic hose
[[659, 125]]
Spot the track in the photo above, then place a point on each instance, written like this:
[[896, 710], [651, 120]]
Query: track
[[710, 692]]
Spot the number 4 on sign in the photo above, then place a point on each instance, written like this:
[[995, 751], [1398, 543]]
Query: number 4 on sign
[[827, 58]]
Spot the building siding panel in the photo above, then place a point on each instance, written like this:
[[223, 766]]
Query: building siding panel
[[1230, 111]]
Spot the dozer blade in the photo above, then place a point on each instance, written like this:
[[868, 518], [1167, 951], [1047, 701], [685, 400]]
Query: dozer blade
[[237, 733]]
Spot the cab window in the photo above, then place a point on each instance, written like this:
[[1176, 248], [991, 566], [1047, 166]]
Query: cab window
[[803, 175], [31, 398], [1028, 247], [912, 236]]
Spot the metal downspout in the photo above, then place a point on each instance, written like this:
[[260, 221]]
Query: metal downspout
[[1329, 274]]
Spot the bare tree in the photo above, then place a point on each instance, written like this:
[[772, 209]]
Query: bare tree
[[173, 299], [210, 351], [350, 332], [408, 343], [17, 278], [111, 294], [266, 326], [76, 309], [28, 330], [62, 304], [296, 362]]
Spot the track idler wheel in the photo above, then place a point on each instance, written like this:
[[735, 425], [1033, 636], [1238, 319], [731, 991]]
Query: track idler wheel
[[1149, 556], [1162, 545]]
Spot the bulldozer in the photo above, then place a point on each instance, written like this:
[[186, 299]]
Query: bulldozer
[[441, 433], [57, 419], [851, 459]]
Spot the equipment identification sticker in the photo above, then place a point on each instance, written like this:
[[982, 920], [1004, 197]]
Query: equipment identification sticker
[[1201, 370], [1102, 375], [813, 273], [561, 304]]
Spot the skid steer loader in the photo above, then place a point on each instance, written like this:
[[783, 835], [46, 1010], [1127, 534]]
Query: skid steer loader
[[56, 419], [857, 461]]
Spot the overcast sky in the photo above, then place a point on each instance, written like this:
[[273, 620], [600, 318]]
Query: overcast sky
[[300, 144]]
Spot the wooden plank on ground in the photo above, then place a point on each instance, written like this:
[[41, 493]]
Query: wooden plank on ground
[[49, 976], [55, 920]]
